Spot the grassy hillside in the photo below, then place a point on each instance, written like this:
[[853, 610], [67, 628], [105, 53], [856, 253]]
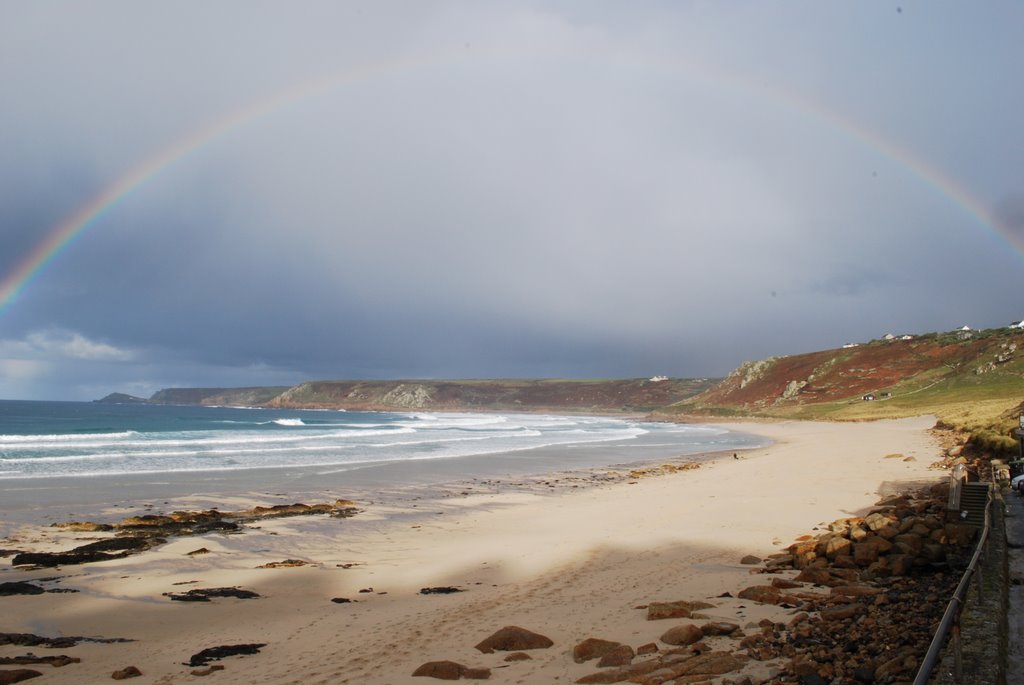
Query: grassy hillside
[[493, 395], [975, 383]]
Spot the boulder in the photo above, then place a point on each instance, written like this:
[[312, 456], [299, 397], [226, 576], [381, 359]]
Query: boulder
[[450, 670], [841, 612], [17, 675], [126, 673], [837, 546], [513, 639], [900, 564], [592, 648], [719, 628], [856, 591], [750, 560], [765, 594], [677, 609], [618, 656], [816, 576], [910, 543], [875, 521], [213, 668], [685, 634], [784, 584]]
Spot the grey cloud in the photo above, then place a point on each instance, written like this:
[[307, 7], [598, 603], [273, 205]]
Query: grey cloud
[[494, 189]]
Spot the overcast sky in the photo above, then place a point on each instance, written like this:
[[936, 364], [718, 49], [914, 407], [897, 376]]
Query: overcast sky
[[478, 189]]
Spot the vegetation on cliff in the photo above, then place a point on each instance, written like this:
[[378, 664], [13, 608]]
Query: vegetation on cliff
[[971, 380]]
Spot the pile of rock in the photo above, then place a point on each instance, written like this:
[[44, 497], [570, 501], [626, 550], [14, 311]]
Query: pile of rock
[[904, 535]]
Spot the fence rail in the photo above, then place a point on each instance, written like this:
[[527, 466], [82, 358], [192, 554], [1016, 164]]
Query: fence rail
[[950, 623]]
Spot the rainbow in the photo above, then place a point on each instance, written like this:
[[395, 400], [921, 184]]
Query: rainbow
[[64, 234]]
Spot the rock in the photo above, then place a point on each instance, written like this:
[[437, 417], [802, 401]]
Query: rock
[[196, 552], [449, 670], [678, 609], [837, 546], [341, 600], [784, 584], [710, 664], [518, 656], [750, 560], [146, 521], [856, 590], [447, 590], [51, 559], [649, 648], [210, 653], [816, 576], [875, 521], [900, 564], [765, 594], [30, 640], [909, 543], [513, 639], [92, 552], [841, 612], [208, 670], [287, 563], [126, 673], [204, 595], [19, 588], [17, 675], [592, 648], [719, 628], [685, 634], [55, 661], [83, 526], [619, 656]]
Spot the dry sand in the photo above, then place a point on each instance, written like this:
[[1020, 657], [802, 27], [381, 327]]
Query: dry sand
[[569, 563]]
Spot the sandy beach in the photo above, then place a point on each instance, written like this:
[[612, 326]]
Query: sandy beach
[[567, 562]]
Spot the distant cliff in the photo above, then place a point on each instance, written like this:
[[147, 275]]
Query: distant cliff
[[493, 395], [230, 397], [458, 395]]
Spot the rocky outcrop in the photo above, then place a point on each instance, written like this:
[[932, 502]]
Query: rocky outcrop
[[19, 588], [514, 639], [32, 640], [138, 533], [206, 594], [30, 659], [450, 670], [212, 653]]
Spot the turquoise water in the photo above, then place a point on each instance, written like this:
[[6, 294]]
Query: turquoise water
[[81, 439]]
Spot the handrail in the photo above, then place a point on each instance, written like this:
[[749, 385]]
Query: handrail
[[951, 617]]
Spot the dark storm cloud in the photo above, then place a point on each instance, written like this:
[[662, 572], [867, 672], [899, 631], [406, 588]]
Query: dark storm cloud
[[493, 190]]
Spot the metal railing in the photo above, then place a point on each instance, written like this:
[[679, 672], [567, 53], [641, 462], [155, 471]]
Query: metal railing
[[950, 623]]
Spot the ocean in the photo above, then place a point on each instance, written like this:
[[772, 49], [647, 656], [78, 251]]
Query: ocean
[[59, 450]]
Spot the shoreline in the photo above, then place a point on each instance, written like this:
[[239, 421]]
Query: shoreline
[[567, 562]]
